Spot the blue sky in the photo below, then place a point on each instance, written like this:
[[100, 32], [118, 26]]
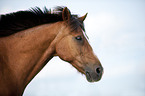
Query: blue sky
[[116, 30]]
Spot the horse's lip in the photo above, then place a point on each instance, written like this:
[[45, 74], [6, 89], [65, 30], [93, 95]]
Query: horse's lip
[[92, 77], [88, 76]]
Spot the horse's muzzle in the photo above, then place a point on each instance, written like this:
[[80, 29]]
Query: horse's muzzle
[[94, 75]]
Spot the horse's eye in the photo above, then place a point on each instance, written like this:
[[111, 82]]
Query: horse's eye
[[78, 38]]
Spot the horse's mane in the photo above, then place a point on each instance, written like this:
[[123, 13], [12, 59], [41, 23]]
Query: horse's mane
[[21, 20]]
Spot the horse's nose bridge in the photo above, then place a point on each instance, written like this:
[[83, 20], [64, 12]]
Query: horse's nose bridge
[[95, 65], [93, 59]]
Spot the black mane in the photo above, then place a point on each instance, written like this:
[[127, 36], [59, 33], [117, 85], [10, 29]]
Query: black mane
[[21, 20]]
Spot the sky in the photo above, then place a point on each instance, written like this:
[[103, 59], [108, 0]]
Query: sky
[[116, 31]]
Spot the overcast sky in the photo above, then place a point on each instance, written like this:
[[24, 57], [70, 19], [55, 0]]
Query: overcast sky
[[116, 30]]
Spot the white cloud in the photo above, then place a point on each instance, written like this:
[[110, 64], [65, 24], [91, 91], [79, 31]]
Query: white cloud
[[103, 26], [119, 70], [103, 22]]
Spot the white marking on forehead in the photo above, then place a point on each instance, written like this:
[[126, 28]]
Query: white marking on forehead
[[84, 33]]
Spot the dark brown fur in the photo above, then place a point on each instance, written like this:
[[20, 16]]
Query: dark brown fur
[[21, 20]]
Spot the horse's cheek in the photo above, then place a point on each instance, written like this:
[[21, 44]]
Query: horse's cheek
[[62, 50]]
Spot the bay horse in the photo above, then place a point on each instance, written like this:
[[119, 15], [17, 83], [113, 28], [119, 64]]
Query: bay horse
[[29, 39]]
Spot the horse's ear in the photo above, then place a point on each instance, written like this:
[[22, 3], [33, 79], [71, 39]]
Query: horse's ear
[[66, 15], [83, 17]]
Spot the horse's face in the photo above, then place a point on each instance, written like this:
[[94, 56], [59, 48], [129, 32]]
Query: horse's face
[[75, 49]]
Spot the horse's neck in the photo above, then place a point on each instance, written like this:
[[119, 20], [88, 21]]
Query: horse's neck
[[24, 54]]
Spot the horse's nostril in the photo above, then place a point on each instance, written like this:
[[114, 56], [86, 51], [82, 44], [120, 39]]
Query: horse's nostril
[[98, 70]]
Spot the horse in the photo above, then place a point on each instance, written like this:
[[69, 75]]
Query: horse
[[30, 38]]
